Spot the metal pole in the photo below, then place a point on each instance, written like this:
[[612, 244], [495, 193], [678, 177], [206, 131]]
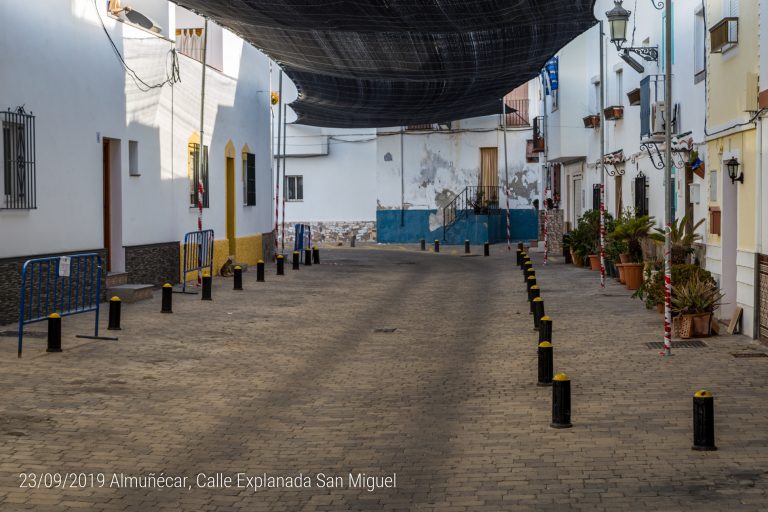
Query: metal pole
[[201, 147], [402, 177], [277, 152], [668, 178], [506, 170], [285, 162], [602, 157]]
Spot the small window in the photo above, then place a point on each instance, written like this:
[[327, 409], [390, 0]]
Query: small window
[[714, 220], [596, 197], [619, 98], [198, 176], [699, 46], [294, 188], [18, 157], [249, 179], [641, 195], [133, 158], [713, 186]]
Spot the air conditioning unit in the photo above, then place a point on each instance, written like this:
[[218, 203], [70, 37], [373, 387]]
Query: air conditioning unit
[[658, 114]]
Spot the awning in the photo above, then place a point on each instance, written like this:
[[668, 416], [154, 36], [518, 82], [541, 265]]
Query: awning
[[374, 63]]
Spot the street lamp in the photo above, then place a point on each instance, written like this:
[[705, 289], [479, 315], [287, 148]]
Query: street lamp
[[733, 170], [618, 19]]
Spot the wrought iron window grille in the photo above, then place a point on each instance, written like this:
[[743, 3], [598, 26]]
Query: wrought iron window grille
[[18, 156]]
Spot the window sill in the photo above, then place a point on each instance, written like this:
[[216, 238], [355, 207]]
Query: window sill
[[294, 200]]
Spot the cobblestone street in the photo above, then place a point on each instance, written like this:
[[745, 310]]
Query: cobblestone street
[[300, 376]]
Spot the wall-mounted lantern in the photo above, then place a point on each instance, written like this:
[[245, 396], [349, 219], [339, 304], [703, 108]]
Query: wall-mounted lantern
[[733, 170], [618, 19]]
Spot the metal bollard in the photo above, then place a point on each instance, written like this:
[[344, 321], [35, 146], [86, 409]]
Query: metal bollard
[[423, 245], [545, 329], [296, 259], [486, 249], [538, 312], [114, 314], [280, 265], [308, 257], [704, 421], [352, 241], [523, 259], [260, 271], [437, 245], [54, 333], [546, 364], [167, 302], [533, 292], [520, 246], [238, 278], [561, 401], [528, 273], [315, 255], [530, 281], [519, 255], [206, 286], [466, 247]]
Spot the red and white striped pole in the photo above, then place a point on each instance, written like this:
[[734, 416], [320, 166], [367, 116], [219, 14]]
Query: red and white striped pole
[[546, 226], [200, 192], [602, 229]]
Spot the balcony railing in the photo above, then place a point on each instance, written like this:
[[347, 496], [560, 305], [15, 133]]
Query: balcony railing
[[520, 116]]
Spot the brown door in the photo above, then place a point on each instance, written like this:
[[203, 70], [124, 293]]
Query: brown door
[[105, 213], [489, 173]]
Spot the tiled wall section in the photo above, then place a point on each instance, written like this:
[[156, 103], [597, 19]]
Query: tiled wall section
[[555, 231], [153, 264], [336, 232]]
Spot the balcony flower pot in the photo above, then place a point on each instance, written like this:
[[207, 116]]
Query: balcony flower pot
[[614, 113], [633, 275], [594, 262], [695, 325], [620, 267], [634, 96], [591, 121]]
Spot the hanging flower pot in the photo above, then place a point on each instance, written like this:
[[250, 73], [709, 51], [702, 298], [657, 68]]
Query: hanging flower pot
[[634, 96], [592, 121], [614, 113]]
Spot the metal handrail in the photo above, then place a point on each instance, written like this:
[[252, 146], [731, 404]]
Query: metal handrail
[[481, 199]]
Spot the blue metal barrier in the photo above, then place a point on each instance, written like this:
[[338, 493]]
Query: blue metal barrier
[[67, 285], [303, 238], [198, 254]]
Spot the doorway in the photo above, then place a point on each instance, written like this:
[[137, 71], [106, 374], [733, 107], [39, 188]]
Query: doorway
[[728, 245], [112, 206], [231, 226], [489, 174], [577, 200]]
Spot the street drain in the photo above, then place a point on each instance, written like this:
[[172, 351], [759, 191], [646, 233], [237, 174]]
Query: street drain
[[385, 329], [749, 354], [678, 344]]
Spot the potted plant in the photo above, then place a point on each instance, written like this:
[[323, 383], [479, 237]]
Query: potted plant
[[614, 112], [682, 237], [613, 249], [632, 231], [634, 96], [567, 248], [591, 121], [695, 301]]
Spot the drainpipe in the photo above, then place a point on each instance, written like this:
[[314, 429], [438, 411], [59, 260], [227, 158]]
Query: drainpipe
[[758, 227], [402, 176], [601, 167], [506, 170]]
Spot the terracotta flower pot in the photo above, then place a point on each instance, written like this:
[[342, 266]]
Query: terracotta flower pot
[[620, 266], [625, 258], [633, 275], [594, 262], [577, 260]]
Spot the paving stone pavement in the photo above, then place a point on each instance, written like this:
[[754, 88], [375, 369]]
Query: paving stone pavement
[[289, 377]]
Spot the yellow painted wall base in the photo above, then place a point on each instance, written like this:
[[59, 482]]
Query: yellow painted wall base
[[248, 250]]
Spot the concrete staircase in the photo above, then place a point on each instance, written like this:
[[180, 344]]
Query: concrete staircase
[[117, 286]]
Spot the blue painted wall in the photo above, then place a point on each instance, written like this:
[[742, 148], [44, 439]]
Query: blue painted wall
[[476, 228]]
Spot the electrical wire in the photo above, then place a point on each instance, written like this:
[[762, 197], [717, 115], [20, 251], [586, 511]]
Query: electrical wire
[[172, 70]]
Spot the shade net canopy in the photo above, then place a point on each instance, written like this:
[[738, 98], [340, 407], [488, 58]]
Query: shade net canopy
[[376, 63]]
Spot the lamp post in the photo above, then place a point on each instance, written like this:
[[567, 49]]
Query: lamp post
[[733, 170], [618, 18]]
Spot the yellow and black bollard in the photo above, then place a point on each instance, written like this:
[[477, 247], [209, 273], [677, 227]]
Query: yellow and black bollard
[[280, 265], [528, 267], [704, 421], [114, 314], [520, 246], [530, 281], [545, 329], [352, 240], [546, 364], [260, 271], [54, 333], [538, 312], [561, 401], [487, 249], [167, 299], [519, 255], [308, 257], [423, 245], [296, 260], [529, 273], [466, 247], [238, 280], [437, 245], [533, 292], [315, 255], [523, 259], [207, 281]]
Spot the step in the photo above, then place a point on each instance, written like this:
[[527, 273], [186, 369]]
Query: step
[[129, 293], [116, 279]]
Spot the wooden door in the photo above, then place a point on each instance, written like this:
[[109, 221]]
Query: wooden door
[[489, 173]]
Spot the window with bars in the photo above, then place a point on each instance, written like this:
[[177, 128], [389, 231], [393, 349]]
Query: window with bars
[[294, 188], [641, 196], [18, 157], [596, 197], [198, 175], [249, 179]]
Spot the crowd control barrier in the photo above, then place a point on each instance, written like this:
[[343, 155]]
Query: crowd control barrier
[[303, 238], [198, 254]]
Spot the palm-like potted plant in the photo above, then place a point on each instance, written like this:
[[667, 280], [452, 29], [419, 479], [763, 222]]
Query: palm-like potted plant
[[695, 301], [632, 231], [682, 239]]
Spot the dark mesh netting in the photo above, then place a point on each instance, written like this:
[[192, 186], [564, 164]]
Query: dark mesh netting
[[374, 63]]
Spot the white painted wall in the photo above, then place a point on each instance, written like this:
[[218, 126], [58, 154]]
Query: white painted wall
[[80, 94]]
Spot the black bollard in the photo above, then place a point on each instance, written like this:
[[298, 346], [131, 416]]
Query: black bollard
[[535, 292], [296, 259], [260, 271], [114, 314], [280, 265], [538, 312], [437, 245], [520, 246], [545, 329], [529, 273], [423, 245], [546, 365], [207, 281], [352, 241], [486, 249], [523, 259], [704, 421], [315, 256], [561, 401], [308, 257], [54, 333], [466, 247], [530, 281], [238, 278], [167, 302]]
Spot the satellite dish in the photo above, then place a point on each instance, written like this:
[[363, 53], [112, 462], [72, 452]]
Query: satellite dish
[[139, 19]]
